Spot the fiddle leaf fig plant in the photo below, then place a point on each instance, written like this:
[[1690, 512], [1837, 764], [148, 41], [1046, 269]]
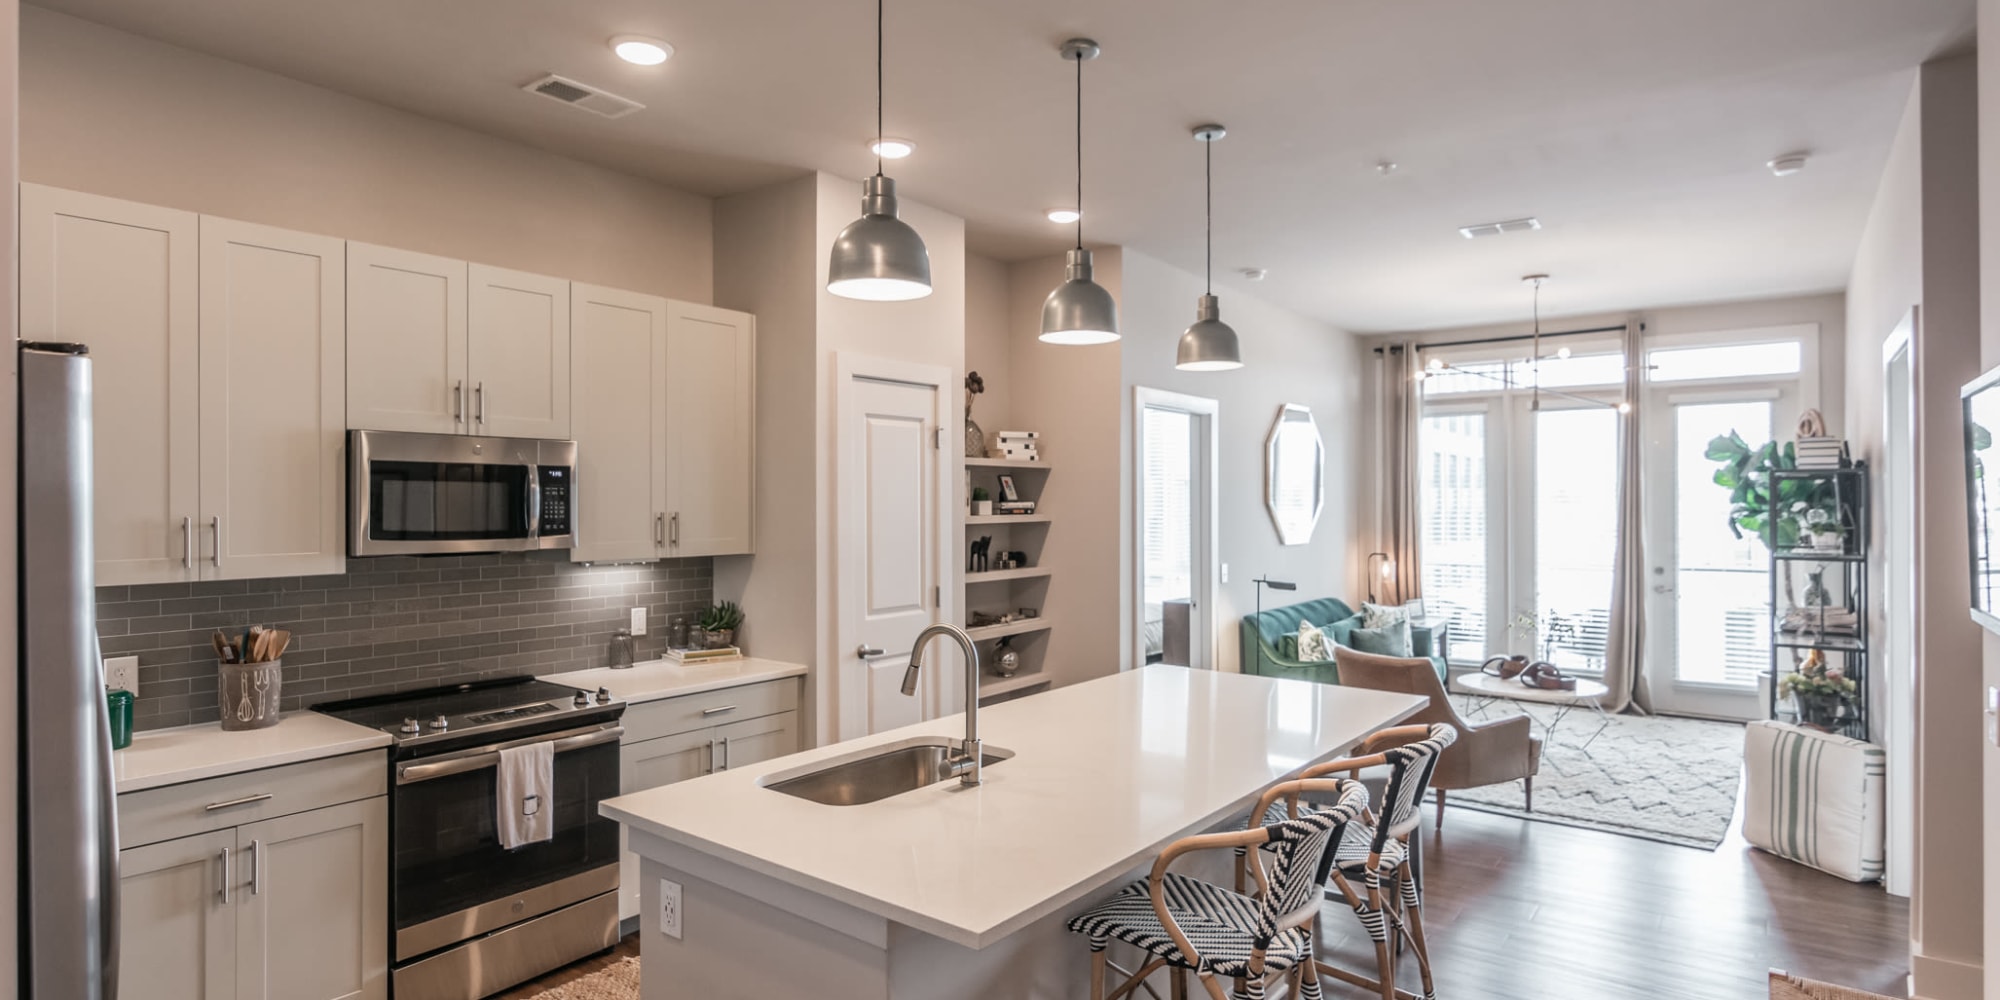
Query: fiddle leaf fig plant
[[1778, 511]]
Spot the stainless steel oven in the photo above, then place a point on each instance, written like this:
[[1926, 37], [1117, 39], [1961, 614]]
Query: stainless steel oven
[[428, 494]]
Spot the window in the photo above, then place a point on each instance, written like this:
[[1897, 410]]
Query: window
[[1722, 582], [1726, 361], [1453, 482], [1576, 530], [1169, 524]]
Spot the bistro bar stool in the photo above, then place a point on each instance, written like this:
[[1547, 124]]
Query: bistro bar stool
[[1190, 926]]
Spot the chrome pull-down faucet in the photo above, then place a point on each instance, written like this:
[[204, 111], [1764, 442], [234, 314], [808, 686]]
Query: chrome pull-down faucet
[[966, 768]]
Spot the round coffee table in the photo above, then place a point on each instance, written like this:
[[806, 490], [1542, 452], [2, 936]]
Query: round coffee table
[[1588, 694]]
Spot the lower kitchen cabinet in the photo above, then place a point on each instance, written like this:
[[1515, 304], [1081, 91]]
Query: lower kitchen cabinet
[[314, 923], [177, 931]]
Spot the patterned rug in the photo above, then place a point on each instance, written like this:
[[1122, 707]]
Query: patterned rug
[[1659, 778], [619, 982]]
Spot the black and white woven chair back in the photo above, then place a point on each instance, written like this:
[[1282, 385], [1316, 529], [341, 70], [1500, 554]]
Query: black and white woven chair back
[[1300, 857], [1410, 769]]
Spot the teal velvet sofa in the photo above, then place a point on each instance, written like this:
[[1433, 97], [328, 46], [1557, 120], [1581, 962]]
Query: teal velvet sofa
[[1270, 640]]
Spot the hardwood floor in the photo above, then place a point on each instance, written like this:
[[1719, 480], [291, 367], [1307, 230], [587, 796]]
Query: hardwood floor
[[1518, 910]]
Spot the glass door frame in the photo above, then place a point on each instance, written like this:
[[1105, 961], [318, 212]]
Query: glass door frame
[[1204, 559], [1523, 591]]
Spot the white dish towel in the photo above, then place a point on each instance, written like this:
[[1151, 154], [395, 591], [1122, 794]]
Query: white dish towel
[[524, 800]]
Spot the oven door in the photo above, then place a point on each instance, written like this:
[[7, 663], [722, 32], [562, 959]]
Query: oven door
[[453, 880], [418, 494]]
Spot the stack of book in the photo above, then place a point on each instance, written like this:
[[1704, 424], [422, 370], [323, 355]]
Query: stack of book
[[1018, 446], [1013, 507], [1822, 453]]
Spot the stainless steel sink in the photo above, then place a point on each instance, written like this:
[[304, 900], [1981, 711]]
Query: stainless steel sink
[[877, 773]]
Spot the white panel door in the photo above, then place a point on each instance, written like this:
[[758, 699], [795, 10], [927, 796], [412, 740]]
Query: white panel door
[[273, 401], [711, 430], [177, 918], [619, 345], [315, 905], [405, 341], [123, 278], [888, 552], [518, 350]]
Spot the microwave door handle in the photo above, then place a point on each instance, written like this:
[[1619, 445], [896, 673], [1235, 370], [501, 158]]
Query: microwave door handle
[[534, 504]]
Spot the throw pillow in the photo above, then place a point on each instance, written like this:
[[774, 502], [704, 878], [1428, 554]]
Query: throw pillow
[[1288, 647], [1382, 615], [1392, 640], [1338, 631], [1313, 646]]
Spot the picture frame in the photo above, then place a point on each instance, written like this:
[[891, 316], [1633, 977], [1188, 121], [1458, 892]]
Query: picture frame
[[1007, 490]]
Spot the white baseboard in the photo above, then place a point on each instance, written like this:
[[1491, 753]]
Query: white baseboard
[[1933, 978]]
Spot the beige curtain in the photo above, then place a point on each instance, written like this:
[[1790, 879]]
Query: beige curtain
[[1402, 404], [1625, 644]]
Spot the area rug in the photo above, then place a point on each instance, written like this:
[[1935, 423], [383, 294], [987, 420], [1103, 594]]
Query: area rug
[[1659, 778], [619, 982]]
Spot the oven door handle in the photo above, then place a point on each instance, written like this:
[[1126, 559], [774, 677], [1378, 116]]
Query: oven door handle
[[489, 756]]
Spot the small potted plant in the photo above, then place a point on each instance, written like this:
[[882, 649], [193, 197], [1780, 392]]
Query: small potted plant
[[1823, 695], [982, 502], [720, 623]]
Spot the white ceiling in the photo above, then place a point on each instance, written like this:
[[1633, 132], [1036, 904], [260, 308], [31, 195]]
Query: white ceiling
[[1635, 129]]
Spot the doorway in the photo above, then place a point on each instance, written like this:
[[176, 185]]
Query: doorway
[[1899, 587], [1173, 493]]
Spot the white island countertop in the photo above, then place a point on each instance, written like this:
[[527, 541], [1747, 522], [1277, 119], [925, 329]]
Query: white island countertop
[[1104, 775], [190, 753], [656, 679]]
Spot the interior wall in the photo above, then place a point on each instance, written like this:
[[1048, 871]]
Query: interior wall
[[1287, 359], [1920, 248], [1989, 306], [116, 114], [10, 37], [987, 348]]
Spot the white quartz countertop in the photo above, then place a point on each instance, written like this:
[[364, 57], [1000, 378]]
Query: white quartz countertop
[[170, 756], [655, 679], [1105, 773]]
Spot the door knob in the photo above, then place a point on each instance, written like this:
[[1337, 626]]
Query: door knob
[[865, 651]]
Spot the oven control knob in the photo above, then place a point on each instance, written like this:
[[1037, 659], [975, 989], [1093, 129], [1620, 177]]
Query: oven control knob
[[582, 699], [604, 696], [410, 726], [440, 722]]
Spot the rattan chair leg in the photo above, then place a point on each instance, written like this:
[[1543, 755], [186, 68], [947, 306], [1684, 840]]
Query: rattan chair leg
[[1179, 984], [1097, 960]]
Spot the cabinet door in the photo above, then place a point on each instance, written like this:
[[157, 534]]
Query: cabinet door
[[122, 278], [405, 341], [518, 334], [314, 923], [620, 350], [753, 741], [273, 401], [711, 430], [177, 919], [649, 765]]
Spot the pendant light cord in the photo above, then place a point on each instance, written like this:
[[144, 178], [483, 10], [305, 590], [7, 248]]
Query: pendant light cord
[[1208, 214], [878, 86], [1079, 150], [1536, 404]]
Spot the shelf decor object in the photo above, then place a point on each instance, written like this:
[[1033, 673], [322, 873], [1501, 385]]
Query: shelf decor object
[[1210, 345], [878, 257], [1005, 583], [1080, 311], [1819, 639]]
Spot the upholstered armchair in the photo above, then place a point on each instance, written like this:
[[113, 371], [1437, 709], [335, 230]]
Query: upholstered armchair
[[1486, 753]]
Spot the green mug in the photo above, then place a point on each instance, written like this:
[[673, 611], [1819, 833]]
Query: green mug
[[118, 702]]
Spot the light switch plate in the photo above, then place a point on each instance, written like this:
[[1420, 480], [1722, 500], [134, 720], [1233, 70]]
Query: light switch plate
[[1993, 716], [638, 621], [670, 908], [122, 672], [1225, 572]]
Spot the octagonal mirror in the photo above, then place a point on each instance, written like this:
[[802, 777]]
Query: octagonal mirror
[[1294, 474]]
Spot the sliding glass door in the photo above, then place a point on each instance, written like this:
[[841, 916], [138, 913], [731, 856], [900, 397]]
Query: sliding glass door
[[1575, 530]]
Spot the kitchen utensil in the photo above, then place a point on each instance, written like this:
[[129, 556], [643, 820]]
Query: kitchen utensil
[[223, 651]]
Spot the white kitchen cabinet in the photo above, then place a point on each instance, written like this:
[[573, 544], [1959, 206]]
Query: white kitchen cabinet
[[273, 401], [123, 278], [406, 341], [711, 402], [518, 353], [619, 351], [753, 741], [312, 925], [177, 917]]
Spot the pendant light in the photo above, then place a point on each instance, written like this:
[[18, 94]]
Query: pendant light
[[1209, 345], [1535, 401], [1079, 311], [878, 257]]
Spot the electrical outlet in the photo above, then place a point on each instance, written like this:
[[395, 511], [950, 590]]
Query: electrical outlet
[[122, 672], [638, 621], [1225, 572], [670, 908]]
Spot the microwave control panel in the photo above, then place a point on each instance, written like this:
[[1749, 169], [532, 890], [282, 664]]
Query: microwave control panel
[[555, 483]]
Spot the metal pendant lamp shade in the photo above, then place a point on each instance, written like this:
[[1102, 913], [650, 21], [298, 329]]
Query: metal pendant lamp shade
[[878, 257], [1209, 345], [1080, 311]]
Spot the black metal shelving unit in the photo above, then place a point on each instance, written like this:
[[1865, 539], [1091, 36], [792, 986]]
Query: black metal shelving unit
[[1844, 573]]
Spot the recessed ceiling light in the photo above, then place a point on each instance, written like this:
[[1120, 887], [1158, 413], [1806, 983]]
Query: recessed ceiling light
[[1788, 164], [1064, 216], [640, 50], [891, 148]]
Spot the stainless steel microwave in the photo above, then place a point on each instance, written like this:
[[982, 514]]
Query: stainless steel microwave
[[433, 494]]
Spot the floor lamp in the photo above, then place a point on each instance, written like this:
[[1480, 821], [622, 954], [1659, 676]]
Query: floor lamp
[[1387, 572], [1263, 582]]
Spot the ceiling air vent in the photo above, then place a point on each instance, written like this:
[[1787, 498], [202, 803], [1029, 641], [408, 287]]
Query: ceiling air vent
[[1496, 228], [583, 95]]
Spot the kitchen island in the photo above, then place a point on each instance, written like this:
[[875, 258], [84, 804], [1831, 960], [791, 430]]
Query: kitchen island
[[954, 891]]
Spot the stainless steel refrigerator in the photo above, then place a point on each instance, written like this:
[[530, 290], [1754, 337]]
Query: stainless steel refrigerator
[[69, 906]]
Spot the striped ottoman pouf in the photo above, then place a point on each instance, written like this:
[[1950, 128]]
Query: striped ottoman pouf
[[1814, 798]]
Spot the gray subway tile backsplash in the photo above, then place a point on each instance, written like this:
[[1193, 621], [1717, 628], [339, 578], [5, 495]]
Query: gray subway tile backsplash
[[394, 623]]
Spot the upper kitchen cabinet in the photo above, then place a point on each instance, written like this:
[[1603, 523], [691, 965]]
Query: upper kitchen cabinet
[[518, 354], [123, 278], [406, 341], [619, 348], [273, 402], [711, 397]]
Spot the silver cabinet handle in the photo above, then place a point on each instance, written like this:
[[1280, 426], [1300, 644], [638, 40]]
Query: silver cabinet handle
[[865, 651], [187, 543], [717, 710], [659, 529], [710, 769], [674, 529], [233, 803], [479, 396], [725, 753], [458, 402], [222, 890], [256, 867], [215, 525]]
